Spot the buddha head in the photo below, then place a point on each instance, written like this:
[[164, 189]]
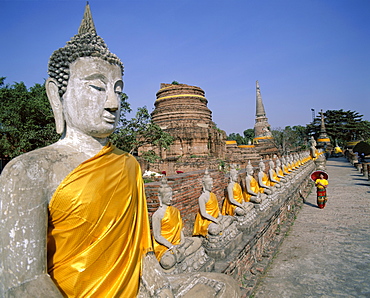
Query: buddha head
[[261, 165], [249, 168], [165, 193], [271, 164], [278, 163], [85, 83], [233, 174], [207, 181]]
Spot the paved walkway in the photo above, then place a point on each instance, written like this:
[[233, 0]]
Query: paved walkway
[[327, 251]]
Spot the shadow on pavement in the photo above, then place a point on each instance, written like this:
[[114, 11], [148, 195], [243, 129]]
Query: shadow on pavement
[[310, 204]]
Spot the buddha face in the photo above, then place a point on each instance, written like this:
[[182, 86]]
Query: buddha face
[[91, 103], [166, 197], [234, 176], [208, 184]]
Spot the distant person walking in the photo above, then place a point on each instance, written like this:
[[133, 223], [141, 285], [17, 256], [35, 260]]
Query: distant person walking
[[321, 184]]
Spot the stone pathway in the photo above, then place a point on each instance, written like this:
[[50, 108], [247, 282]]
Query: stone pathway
[[327, 251]]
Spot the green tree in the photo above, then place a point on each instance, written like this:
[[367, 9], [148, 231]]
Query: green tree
[[341, 126], [289, 139], [139, 131], [26, 119], [237, 137], [248, 135]]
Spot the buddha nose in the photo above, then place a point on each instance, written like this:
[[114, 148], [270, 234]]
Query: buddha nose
[[112, 101]]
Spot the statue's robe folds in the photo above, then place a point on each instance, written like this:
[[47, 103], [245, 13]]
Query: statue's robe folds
[[171, 227], [281, 173], [227, 207], [201, 224], [275, 177], [254, 187], [265, 181], [98, 230]]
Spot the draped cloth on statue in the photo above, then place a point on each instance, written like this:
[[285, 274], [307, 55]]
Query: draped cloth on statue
[[201, 224], [281, 173], [265, 181], [275, 177], [98, 230], [171, 227], [254, 187], [227, 207]]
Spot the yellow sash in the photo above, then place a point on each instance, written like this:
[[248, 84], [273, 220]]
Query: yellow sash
[[98, 228], [254, 187], [201, 224], [171, 226], [227, 207]]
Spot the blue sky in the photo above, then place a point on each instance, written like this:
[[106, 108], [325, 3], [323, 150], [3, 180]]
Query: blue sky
[[306, 54]]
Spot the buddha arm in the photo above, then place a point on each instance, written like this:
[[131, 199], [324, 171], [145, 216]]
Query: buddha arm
[[23, 235], [230, 193], [260, 182], [202, 208], [248, 185]]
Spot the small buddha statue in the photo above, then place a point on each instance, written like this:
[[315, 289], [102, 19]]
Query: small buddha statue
[[253, 193], [235, 204], [273, 177], [220, 232], [209, 219], [170, 244], [284, 166], [312, 144], [279, 170], [263, 179]]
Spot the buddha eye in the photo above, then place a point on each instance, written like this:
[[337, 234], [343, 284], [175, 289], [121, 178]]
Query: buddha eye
[[97, 88]]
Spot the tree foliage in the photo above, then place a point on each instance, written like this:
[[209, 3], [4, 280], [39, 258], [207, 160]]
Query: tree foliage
[[341, 126], [289, 139], [139, 131], [26, 119], [248, 135]]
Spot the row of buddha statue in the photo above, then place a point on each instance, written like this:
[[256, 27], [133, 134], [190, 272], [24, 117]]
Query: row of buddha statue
[[217, 231]]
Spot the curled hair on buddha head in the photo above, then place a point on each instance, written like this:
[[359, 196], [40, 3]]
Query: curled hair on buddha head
[[86, 43]]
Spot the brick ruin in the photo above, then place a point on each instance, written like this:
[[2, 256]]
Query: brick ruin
[[181, 110]]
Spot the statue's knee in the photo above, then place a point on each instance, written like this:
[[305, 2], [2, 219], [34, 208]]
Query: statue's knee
[[214, 229], [168, 260]]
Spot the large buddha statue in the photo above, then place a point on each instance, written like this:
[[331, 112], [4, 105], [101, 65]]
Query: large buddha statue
[[209, 219], [171, 247], [74, 220]]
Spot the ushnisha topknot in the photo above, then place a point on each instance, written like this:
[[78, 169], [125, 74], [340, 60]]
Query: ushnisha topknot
[[86, 43]]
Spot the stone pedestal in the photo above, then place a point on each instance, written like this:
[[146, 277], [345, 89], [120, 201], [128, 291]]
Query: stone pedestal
[[218, 247]]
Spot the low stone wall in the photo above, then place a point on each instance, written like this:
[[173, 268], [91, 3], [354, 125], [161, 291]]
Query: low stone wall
[[252, 255]]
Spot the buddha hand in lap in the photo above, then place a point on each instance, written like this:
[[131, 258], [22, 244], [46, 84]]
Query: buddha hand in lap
[[170, 244], [209, 219]]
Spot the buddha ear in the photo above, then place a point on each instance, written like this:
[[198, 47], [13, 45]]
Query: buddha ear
[[56, 104]]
